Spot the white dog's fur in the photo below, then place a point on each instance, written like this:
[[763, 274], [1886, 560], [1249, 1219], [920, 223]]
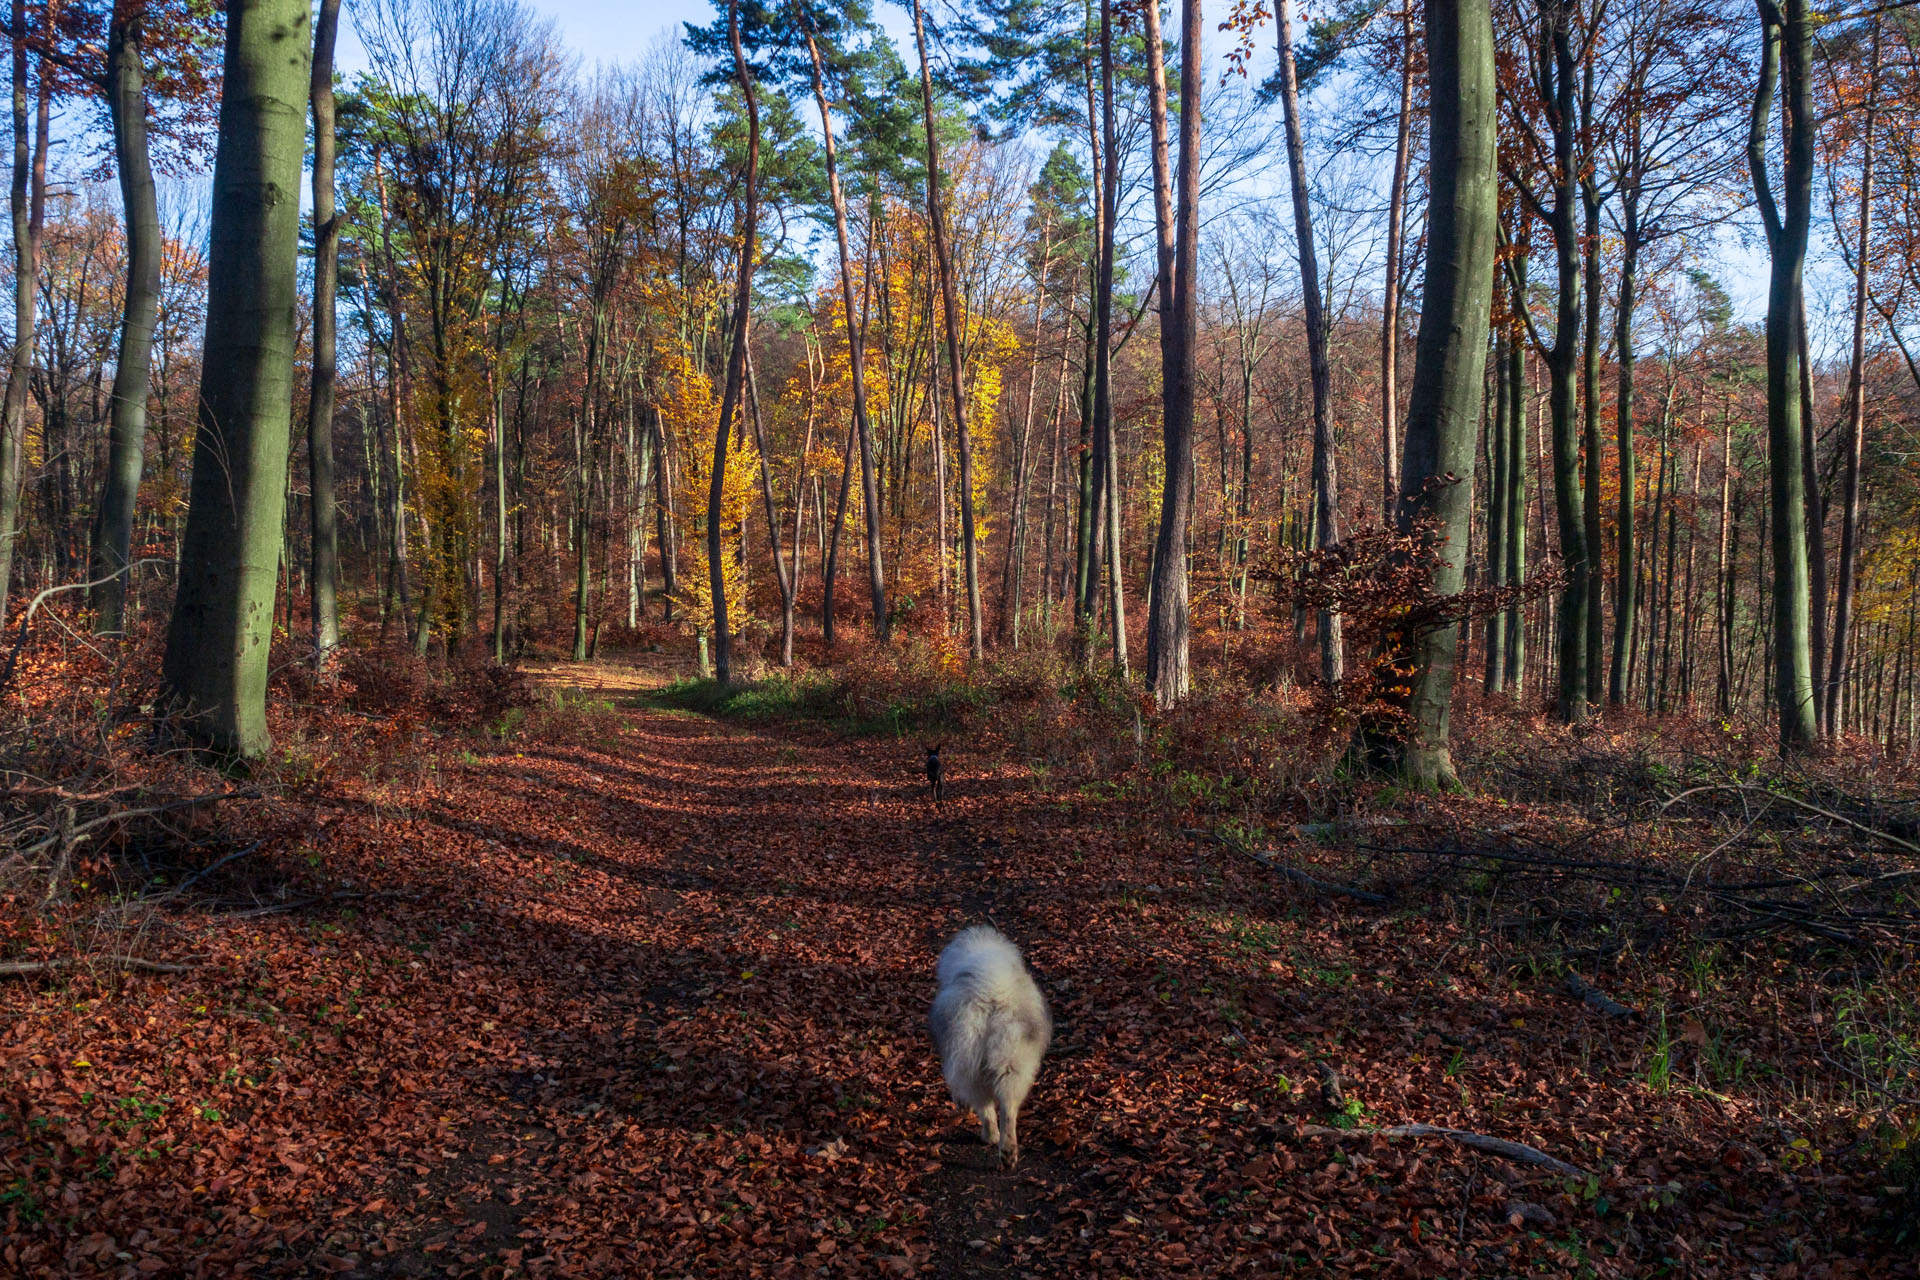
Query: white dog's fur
[[991, 1027]]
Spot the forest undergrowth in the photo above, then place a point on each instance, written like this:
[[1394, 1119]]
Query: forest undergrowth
[[612, 972]]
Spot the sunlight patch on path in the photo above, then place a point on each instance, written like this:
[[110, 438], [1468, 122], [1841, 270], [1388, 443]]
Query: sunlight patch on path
[[638, 673]]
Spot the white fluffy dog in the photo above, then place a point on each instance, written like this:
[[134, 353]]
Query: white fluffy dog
[[991, 1027]]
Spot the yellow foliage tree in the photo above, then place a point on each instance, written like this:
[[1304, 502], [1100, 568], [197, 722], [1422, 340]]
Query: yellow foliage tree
[[689, 408]]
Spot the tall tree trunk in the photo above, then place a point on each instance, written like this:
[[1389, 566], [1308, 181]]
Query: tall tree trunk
[[942, 539], [1786, 39], [1556, 68], [1724, 571], [1443, 414], [1590, 201], [1495, 676], [1515, 444], [216, 658], [737, 357], [780, 571], [1013, 565], [326, 276], [1662, 462], [1670, 575], [1116, 577], [28, 201], [1326, 497], [1856, 406], [1816, 526], [1169, 626], [127, 435], [666, 523], [1100, 486], [831, 572], [1625, 607], [586, 439], [1390, 298], [1050, 568], [1086, 566], [856, 363]]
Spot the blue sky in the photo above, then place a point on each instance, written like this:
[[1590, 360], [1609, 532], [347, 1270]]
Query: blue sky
[[613, 31], [617, 31]]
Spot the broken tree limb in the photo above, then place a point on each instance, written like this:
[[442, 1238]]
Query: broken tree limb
[[1516, 1151], [26, 619], [26, 968], [319, 900], [65, 836], [1598, 999], [1803, 805], [204, 872], [1292, 873], [1316, 884]]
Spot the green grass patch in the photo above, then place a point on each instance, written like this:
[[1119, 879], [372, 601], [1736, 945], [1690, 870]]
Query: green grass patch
[[826, 700], [779, 697]]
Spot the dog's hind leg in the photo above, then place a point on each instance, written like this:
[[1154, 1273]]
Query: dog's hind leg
[[989, 1127], [1009, 1130]]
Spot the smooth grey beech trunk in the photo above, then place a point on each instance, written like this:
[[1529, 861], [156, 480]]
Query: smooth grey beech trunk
[[216, 659], [1494, 677], [1326, 480], [1856, 408], [1786, 47], [1557, 67], [1443, 415], [1625, 603], [1169, 626], [1515, 444], [326, 279], [28, 204], [1390, 293], [127, 429]]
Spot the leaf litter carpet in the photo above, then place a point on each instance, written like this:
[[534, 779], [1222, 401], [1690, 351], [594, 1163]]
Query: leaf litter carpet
[[653, 1004]]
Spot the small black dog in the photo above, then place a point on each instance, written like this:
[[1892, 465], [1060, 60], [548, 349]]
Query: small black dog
[[936, 777]]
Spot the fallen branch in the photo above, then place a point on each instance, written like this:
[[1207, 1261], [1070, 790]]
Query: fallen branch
[[25, 968], [1517, 1151], [1293, 873], [206, 871], [26, 619], [1318, 885], [1798, 803], [1599, 999], [67, 836], [321, 900]]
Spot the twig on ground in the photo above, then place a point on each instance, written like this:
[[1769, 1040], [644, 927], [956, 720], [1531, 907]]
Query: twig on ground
[[1745, 789], [206, 871], [64, 837], [25, 968], [1599, 999], [1292, 873], [1517, 1151], [26, 619], [300, 904]]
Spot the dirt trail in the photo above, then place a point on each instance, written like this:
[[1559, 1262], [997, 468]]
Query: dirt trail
[[645, 994], [754, 919]]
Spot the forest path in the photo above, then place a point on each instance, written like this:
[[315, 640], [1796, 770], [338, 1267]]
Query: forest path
[[641, 993], [733, 937]]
